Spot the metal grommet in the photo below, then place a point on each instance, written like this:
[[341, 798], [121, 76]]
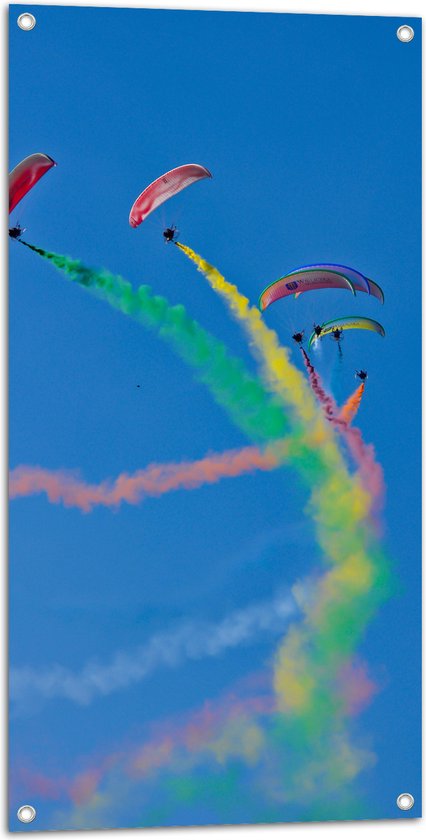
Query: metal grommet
[[405, 33], [405, 801], [26, 813], [26, 21]]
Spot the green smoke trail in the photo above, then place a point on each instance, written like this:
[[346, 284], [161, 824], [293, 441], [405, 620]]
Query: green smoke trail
[[242, 395]]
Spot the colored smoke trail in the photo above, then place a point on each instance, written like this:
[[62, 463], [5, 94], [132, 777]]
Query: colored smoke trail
[[190, 640], [370, 470], [241, 394], [348, 411], [354, 582], [238, 727], [155, 480], [277, 369], [228, 729], [352, 404], [327, 402]]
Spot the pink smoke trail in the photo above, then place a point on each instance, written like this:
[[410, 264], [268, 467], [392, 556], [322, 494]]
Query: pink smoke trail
[[356, 687], [155, 480]]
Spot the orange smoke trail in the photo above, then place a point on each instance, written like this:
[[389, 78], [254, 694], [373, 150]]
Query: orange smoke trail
[[157, 479], [352, 404]]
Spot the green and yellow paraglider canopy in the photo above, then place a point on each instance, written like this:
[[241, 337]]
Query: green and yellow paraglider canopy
[[349, 322]]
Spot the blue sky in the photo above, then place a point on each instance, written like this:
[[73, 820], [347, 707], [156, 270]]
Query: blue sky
[[311, 128]]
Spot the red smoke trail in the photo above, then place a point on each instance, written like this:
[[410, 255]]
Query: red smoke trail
[[327, 402]]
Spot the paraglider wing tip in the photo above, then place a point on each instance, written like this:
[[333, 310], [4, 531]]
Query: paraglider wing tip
[[206, 172], [43, 154], [203, 169], [132, 222], [380, 293]]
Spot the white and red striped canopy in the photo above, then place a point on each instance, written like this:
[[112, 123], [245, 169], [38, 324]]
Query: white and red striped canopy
[[164, 188]]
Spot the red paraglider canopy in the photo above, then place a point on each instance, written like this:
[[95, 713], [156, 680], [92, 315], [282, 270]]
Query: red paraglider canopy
[[25, 175], [164, 188]]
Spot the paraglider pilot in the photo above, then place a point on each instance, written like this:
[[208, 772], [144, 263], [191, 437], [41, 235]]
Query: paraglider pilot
[[170, 233], [298, 337], [337, 335], [17, 231], [361, 374]]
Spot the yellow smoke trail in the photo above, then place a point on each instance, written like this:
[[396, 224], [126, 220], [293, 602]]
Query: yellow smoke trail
[[351, 406], [279, 371]]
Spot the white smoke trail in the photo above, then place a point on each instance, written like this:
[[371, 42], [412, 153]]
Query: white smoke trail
[[190, 641]]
